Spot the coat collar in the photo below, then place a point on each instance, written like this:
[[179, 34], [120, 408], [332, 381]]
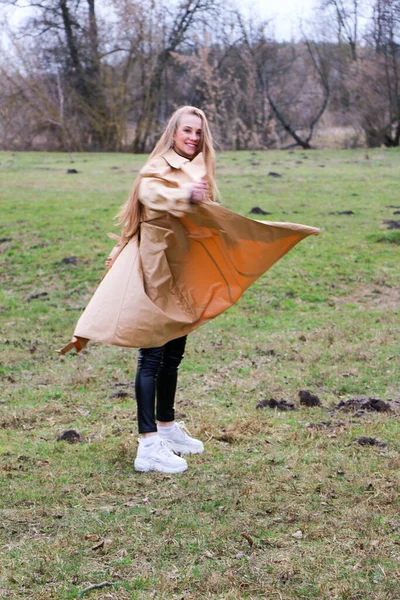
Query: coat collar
[[176, 161]]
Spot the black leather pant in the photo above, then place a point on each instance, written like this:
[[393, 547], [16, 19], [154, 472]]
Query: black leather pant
[[156, 377]]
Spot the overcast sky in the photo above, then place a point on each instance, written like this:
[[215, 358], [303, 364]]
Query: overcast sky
[[285, 13]]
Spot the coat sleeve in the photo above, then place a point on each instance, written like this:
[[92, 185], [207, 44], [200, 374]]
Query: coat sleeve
[[159, 191]]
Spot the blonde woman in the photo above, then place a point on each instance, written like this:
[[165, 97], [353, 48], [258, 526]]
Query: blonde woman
[[182, 260]]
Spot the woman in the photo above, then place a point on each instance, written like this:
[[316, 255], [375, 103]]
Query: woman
[[181, 260]]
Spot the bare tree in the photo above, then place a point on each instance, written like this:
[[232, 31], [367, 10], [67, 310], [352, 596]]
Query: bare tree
[[386, 37], [345, 16], [67, 41], [175, 28], [105, 74], [297, 89], [371, 76]]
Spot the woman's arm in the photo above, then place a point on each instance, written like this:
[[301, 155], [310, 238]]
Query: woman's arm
[[159, 190], [115, 250]]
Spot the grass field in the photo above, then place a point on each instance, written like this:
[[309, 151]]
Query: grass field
[[281, 505]]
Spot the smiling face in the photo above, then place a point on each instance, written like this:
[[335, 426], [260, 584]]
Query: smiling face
[[188, 135]]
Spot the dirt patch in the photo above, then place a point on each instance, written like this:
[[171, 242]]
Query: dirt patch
[[279, 404], [36, 296], [369, 441], [122, 389], [392, 224], [364, 404], [256, 210], [309, 399], [70, 260], [71, 436], [120, 394]]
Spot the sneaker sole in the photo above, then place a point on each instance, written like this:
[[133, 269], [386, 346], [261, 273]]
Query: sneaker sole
[[144, 467]]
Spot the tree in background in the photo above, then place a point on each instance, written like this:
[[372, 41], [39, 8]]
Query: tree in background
[[344, 19], [368, 65], [106, 74], [172, 28], [293, 81], [383, 83], [63, 36]]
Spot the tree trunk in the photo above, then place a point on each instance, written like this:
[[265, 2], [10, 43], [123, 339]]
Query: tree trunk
[[99, 133], [303, 143], [146, 120]]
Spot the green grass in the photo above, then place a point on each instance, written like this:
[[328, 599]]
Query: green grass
[[325, 318]]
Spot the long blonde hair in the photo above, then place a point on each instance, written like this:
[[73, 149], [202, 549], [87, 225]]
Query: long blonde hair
[[130, 213]]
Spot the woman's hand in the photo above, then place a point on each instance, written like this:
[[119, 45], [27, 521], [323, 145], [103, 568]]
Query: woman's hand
[[199, 191], [108, 261]]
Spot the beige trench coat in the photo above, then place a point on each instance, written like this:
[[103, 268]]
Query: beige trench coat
[[187, 264]]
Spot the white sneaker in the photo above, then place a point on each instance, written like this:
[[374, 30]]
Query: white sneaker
[[180, 440], [159, 457]]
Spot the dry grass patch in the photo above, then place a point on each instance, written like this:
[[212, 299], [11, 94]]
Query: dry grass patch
[[379, 296]]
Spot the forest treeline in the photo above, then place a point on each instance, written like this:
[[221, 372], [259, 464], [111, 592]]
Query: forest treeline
[[104, 75]]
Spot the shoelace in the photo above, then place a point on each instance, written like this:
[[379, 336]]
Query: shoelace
[[166, 447], [183, 428]]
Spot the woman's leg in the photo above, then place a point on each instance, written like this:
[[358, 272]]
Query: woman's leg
[[167, 378], [153, 453], [179, 438], [145, 388]]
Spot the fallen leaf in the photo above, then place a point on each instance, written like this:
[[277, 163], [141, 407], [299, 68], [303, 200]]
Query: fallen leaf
[[98, 546], [298, 535], [247, 537], [92, 537]]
